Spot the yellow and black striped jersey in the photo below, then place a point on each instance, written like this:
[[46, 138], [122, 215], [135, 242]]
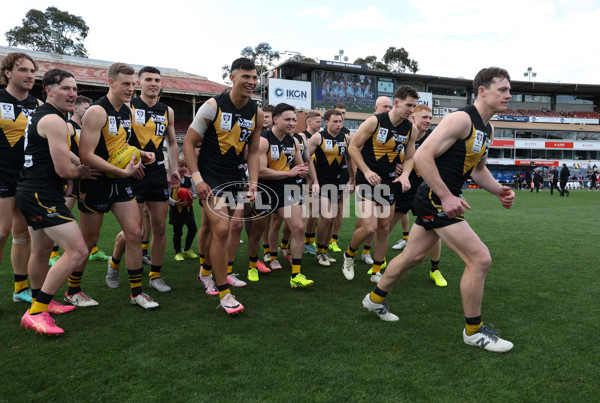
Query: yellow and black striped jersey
[[38, 172], [329, 157], [381, 151], [13, 121], [148, 128], [456, 164], [222, 146], [280, 157], [75, 137], [116, 131]]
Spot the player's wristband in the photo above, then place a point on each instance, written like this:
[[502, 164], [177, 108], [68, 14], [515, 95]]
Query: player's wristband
[[196, 178]]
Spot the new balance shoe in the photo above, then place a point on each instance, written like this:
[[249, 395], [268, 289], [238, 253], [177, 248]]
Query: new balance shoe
[[348, 267], [375, 277], [209, 285], [147, 259], [234, 281], [334, 247], [159, 284], [229, 304], [300, 281], [42, 323], [262, 268], [382, 310], [23, 296], [267, 258], [179, 257], [143, 300], [99, 255], [310, 249], [53, 260], [112, 277], [275, 265], [400, 244], [331, 260], [253, 274], [437, 277], [189, 254], [487, 338], [58, 309], [80, 299], [366, 257], [285, 254], [322, 260]]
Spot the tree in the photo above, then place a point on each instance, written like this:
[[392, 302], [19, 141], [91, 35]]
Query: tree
[[371, 62], [50, 31], [262, 55], [397, 60]]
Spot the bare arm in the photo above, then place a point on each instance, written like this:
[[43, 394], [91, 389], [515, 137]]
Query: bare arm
[[408, 164], [253, 154], [365, 130], [172, 151], [55, 130]]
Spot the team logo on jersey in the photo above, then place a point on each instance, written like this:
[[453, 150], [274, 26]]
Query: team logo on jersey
[[478, 141], [245, 123], [382, 135], [328, 145], [140, 117], [274, 152], [398, 138], [112, 125], [7, 111], [159, 119], [226, 119]]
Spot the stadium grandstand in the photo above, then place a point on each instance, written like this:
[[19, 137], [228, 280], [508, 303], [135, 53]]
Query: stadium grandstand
[[546, 124], [184, 92]]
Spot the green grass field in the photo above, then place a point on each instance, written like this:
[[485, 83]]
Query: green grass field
[[320, 344]]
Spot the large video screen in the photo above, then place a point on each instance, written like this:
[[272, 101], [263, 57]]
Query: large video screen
[[357, 91]]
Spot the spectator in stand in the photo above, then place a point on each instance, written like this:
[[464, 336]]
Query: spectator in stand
[[564, 178]]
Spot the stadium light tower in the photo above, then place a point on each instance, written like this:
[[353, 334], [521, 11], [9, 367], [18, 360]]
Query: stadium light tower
[[529, 73]]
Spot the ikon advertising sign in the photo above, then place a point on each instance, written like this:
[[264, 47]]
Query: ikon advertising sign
[[296, 93]]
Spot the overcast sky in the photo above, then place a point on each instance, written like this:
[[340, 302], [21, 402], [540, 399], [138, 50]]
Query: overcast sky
[[558, 39]]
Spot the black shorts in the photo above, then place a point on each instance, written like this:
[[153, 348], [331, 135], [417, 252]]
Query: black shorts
[[153, 187], [405, 201], [8, 182], [428, 209], [43, 210], [268, 200], [97, 196], [332, 191], [231, 188], [382, 194]]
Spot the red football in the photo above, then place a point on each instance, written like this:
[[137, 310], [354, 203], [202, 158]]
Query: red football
[[185, 196]]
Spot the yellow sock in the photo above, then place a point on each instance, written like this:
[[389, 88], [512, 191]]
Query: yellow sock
[[20, 285], [94, 250], [376, 267], [38, 307], [115, 265], [295, 269], [320, 250], [223, 293], [376, 298], [229, 267], [154, 274], [54, 254], [350, 252], [472, 329]]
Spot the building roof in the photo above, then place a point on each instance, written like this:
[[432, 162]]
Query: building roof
[[588, 91], [94, 72]]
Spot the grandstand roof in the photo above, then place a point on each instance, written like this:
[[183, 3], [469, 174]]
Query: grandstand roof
[[94, 72], [589, 91]]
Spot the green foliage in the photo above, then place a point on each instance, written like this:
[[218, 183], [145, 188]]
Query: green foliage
[[38, 28], [372, 63], [397, 60], [320, 344], [262, 55]]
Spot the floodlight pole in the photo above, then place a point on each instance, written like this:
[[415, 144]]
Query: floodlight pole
[[530, 73]]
